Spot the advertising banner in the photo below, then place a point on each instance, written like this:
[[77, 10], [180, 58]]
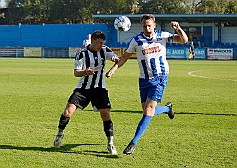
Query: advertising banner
[[73, 51], [33, 52], [220, 53], [176, 52], [117, 51]]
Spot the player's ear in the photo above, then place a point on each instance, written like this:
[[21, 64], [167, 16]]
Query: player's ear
[[92, 40]]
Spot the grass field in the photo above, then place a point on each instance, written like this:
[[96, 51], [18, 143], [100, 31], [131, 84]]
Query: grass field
[[33, 94]]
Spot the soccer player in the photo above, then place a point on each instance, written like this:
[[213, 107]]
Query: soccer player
[[150, 48], [90, 65], [87, 41]]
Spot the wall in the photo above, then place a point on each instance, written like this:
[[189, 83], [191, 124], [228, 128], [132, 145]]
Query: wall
[[72, 35], [229, 35], [48, 35]]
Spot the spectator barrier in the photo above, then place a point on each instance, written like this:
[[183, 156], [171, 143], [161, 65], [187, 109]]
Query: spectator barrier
[[172, 52]]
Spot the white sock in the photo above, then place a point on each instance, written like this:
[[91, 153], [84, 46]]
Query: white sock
[[110, 140]]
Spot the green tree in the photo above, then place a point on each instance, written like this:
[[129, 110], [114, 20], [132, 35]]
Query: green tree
[[26, 11], [217, 6], [163, 6], [15, 12], [112, 7], [231, 7], [80, 11]]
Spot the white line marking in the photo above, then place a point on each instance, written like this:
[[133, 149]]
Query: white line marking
[[199, 76]]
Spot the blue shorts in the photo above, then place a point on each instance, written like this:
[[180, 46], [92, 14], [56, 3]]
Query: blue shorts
[[154, 92]]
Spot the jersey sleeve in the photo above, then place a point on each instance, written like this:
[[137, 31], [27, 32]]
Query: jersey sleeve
[[166, 35], [79, 61], [131, 46], [109, 53]]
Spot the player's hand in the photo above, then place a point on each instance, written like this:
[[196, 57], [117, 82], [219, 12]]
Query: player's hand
[[90, 71], [111, 71], [175, 25], [108, 74], [115, 59]]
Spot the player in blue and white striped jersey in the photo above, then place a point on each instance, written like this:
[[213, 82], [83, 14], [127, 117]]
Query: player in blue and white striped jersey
[[89, 66], [150, 48]]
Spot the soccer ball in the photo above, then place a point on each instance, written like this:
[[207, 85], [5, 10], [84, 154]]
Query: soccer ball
[[122, 23]]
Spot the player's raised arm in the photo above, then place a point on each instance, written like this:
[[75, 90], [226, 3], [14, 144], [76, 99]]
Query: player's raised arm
[[120, 63], [181, 36]]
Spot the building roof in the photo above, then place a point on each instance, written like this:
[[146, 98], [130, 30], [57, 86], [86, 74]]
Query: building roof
[[191, 18]]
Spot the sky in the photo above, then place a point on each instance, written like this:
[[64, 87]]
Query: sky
[[3, 3]]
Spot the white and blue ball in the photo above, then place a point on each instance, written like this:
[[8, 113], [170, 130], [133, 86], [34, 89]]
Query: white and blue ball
[[122, 23]]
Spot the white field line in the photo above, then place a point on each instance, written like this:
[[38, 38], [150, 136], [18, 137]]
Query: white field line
[[191, 73]]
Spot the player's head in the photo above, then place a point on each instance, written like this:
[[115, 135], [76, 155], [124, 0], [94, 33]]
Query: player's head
[[148, 23], [97, 40]]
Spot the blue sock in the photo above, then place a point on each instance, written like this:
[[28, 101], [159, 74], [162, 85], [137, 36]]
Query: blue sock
[[142, 126], [161, 109]]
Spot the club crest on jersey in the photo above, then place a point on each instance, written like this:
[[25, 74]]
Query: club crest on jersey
[[158, 39], [151, 50]]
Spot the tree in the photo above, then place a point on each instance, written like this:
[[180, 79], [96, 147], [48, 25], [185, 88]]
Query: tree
[[15, 12], [112, 7], [26, 11], [80, 11], [163, 6], [217, 7], [231, 7]]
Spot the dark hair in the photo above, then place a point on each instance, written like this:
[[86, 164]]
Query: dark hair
[[147, 17], [98, 34]]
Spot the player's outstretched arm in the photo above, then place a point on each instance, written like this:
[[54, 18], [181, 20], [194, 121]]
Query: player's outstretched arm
[[182, 36], [117, 65]]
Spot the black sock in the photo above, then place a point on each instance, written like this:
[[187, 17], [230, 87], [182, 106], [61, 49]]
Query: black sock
[[108, 128], [63, 122]]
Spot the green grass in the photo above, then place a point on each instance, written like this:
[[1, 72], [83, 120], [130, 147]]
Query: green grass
[[33, 94]]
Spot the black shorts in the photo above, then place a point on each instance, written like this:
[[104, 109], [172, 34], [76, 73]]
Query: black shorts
[[82, 97]]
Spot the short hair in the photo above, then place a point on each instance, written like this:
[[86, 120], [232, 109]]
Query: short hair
[[147, 17], [98, 34]]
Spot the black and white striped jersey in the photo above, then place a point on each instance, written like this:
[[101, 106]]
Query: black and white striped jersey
[[97, 60]]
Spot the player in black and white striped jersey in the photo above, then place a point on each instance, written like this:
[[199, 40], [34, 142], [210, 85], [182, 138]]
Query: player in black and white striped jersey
[[90, 66]]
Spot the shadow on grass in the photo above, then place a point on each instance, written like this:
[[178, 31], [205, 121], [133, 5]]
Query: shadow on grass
[[186, 113], [192, 113], [120, 111], [67, 148], [200, 113]]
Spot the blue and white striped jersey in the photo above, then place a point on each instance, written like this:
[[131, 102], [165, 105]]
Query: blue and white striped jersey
[[151, 54], [97, 60]]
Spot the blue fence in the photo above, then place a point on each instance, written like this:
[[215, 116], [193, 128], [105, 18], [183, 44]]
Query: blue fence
[[49, 35], [56, 39]]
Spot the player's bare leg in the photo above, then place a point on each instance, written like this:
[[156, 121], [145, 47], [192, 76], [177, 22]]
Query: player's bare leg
[[64, 119]]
